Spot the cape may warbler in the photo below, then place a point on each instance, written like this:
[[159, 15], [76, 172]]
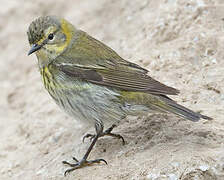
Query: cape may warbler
[[92, 83]]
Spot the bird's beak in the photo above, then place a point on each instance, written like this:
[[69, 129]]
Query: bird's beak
[[35, 47]]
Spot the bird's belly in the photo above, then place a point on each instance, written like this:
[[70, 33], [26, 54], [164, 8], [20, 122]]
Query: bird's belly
[[90, 103]]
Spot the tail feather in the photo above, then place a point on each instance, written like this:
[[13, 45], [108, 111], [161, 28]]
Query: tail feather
[[173, 107]]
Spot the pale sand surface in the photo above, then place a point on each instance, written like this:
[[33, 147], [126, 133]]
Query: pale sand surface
[[181, 44]]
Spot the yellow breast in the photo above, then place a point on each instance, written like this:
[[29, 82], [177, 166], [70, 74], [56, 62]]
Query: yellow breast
[[47, 78]]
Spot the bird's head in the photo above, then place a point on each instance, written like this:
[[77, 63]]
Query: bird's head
[[49, 36]]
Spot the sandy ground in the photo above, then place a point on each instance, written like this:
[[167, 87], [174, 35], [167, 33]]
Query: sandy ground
[[180, 42]]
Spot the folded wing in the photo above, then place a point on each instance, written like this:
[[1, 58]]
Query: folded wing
[[119, 78]]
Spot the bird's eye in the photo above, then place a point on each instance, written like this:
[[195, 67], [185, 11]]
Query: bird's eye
[[51, 36]]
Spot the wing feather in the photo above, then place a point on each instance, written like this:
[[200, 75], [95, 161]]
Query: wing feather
[[120, 79]]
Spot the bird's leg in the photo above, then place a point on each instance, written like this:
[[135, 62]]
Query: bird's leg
[[83, 162], [107, 132]]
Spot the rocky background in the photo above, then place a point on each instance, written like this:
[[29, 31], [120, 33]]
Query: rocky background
[[181, 44]]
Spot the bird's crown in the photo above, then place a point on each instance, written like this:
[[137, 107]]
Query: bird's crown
[[38, 26]]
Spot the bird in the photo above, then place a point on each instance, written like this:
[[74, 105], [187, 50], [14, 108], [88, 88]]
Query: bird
[[95, 85]]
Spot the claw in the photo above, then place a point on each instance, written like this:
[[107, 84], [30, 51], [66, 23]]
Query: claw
[[80, 164], [100, 160], [75, 159], [69, 170], [67, 163], [91, 136], [117, 136], [97, 161]]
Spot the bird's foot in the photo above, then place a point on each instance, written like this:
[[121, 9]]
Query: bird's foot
[[80, 164], [90, 136], [105, 133]]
